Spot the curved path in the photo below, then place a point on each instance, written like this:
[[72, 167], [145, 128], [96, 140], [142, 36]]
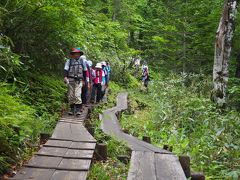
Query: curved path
[[147, 161], [67, 154]]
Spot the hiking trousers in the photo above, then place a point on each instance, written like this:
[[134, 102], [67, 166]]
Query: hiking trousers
[[84, 93], [96, 88], [75, 91]]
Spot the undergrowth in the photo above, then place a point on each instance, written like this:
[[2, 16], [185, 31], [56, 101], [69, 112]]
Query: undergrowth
[[27, 108], [112, 168], [178, 111]]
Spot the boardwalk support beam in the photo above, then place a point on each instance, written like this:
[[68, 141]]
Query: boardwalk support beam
[[102, 151], [185, 163], [197, 176], [146, 139], [90, 128], [44, 137], [124, 158]]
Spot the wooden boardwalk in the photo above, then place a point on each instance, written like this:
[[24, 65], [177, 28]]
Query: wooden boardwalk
[[66, 155], [147, 161]]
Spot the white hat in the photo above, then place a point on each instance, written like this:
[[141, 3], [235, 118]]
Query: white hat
[[99, 65], [103, 63], [89, 63], [84, 58], [145, 67]]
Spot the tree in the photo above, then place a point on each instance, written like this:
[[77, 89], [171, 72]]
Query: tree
[[222, 52]]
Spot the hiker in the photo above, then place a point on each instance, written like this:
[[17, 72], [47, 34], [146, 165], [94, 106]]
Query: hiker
[[145, 76], [104, 78], [137, 63], [85, 86], [97, 83], [108, 67], [75, 77], [91, 74]]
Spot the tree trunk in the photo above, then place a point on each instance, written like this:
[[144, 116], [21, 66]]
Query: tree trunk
[[131, 38], [116, 9], [222, 52], [140, 39], [237, 75]]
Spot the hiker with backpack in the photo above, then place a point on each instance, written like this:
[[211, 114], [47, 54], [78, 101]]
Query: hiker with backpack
[[75, 77], [97, 78], [86, 85], [91, 74], [108, 67], [104, 78], [145, 76]]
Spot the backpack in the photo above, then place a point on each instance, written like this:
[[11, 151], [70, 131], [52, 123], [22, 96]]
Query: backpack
[[76, 69]]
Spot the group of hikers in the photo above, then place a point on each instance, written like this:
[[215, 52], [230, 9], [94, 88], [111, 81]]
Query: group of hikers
[[88, 83], [85, 83], [145, 72]]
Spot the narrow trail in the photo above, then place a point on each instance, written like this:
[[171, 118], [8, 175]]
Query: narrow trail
[[67, 155], [147, 161]]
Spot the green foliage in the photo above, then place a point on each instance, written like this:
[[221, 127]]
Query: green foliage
[[180, 113], [9, 61], [109, 170], [18, 125], [112, 168], [234, 93], [27, 108]]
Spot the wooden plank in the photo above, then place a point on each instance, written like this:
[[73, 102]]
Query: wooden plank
[[74, 153], [44, 162], [75, 164], [73, 122], [57, 143], [62, 130], [33, 173], [52, 151], [68, 118], [75, 139], [168, 167], [69, 175], [142, 166], [74, 132], [80, 118], [82, 145], [110, 123], [122, 102]]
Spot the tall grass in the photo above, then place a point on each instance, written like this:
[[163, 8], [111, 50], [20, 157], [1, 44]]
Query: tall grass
[[178, 111]]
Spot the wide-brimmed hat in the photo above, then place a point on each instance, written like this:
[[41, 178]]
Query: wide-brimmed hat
[[103, 63], [99, 65]]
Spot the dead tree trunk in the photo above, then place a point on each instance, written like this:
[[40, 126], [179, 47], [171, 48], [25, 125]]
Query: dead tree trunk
[[222, 52], [237, 75]]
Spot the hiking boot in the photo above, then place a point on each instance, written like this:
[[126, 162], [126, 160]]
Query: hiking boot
[[71, 112], [78, 113], [78, 109]]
